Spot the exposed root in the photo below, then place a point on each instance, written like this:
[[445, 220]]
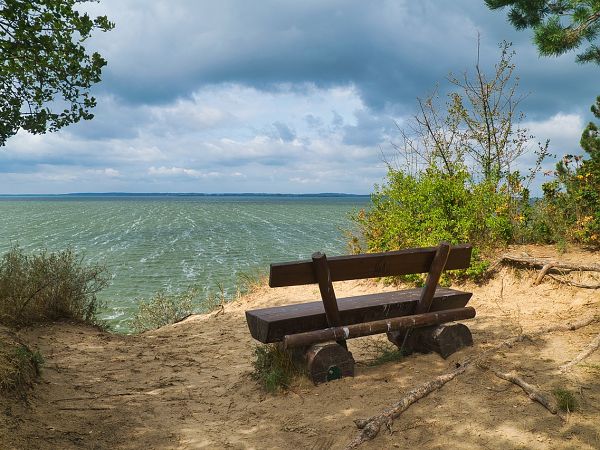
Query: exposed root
[[575, 283], [549, 266], [587, 351], [539, 263]]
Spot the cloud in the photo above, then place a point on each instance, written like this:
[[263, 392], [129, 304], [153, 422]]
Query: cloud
[[180, 171], [284, 132], [288, 95]]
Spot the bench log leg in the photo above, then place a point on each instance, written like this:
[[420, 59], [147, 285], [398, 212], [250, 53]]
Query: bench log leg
[[328, 361], [444, 339]]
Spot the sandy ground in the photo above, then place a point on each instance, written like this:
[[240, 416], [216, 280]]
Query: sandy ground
[[188, 385]]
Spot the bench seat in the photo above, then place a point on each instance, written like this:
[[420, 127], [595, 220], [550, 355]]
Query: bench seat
[[272, 324]]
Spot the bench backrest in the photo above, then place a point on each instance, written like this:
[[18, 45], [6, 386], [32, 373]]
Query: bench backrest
[[369, 265]]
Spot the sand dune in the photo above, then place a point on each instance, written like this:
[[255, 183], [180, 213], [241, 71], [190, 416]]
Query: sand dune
[[188, 385]]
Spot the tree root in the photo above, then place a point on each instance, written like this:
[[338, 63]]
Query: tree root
[[369, 428], [548, 266], [587, 351], [575, 283], [539, 263]]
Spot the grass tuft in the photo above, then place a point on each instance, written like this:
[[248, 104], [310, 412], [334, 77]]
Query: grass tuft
[[383, 353], [274, 367], [565, 400]]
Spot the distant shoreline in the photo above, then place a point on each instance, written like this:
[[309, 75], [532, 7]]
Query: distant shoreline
[[181, 194]]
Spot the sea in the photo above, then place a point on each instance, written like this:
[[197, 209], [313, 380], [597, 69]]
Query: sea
[[165, 242]]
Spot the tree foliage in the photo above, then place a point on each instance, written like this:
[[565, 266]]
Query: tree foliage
[[559, 25], [45, 71], [478, 128], [573, 197], [453, 180]]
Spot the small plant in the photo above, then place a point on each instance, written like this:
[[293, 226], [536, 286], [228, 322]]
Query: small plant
[[48, 286], [251, 282], [565, 399], [163, 309], [18, 365], [274, 367]]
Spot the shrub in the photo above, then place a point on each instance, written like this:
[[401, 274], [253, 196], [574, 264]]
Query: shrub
[[163, 309], [570, 209], [429, 207], [274, 367], [48, 286], [166, 308]]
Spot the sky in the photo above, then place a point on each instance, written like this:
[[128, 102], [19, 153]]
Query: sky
[[281, 96]]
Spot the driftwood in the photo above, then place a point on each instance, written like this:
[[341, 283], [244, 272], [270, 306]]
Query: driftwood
[[587, 351], [369, 428], [532, 392], [548, 266]]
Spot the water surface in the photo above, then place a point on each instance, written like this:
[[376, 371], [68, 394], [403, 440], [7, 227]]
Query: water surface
[[153, 243]]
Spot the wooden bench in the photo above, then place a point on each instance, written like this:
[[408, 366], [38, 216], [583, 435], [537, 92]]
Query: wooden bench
[[317, 331]]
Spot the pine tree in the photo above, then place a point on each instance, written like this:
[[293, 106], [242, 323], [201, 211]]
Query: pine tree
[[559, 26]]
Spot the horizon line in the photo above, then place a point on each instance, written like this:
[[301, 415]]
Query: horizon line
[[200, 194]]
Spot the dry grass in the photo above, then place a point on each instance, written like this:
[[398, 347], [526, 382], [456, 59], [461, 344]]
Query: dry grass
[[19, 366]]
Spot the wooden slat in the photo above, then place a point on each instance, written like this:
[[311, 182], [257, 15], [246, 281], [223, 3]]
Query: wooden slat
[[433, 277], [370, 265], [272, 324], [321, 270]]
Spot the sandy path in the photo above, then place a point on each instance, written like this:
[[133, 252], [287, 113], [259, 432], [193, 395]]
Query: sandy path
[[188, 385]]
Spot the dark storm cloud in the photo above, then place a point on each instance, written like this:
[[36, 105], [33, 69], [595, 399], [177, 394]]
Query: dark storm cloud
[[392, 51]]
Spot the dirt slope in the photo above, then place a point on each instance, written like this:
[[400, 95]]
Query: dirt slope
[[188, 385]]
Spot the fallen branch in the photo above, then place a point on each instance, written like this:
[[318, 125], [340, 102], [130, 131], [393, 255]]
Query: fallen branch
[[587, 351], [370, 427], [532, 392]]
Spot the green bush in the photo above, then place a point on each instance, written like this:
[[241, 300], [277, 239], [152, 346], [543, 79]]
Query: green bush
[[48, 286], [570, 208], [430, 207]]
